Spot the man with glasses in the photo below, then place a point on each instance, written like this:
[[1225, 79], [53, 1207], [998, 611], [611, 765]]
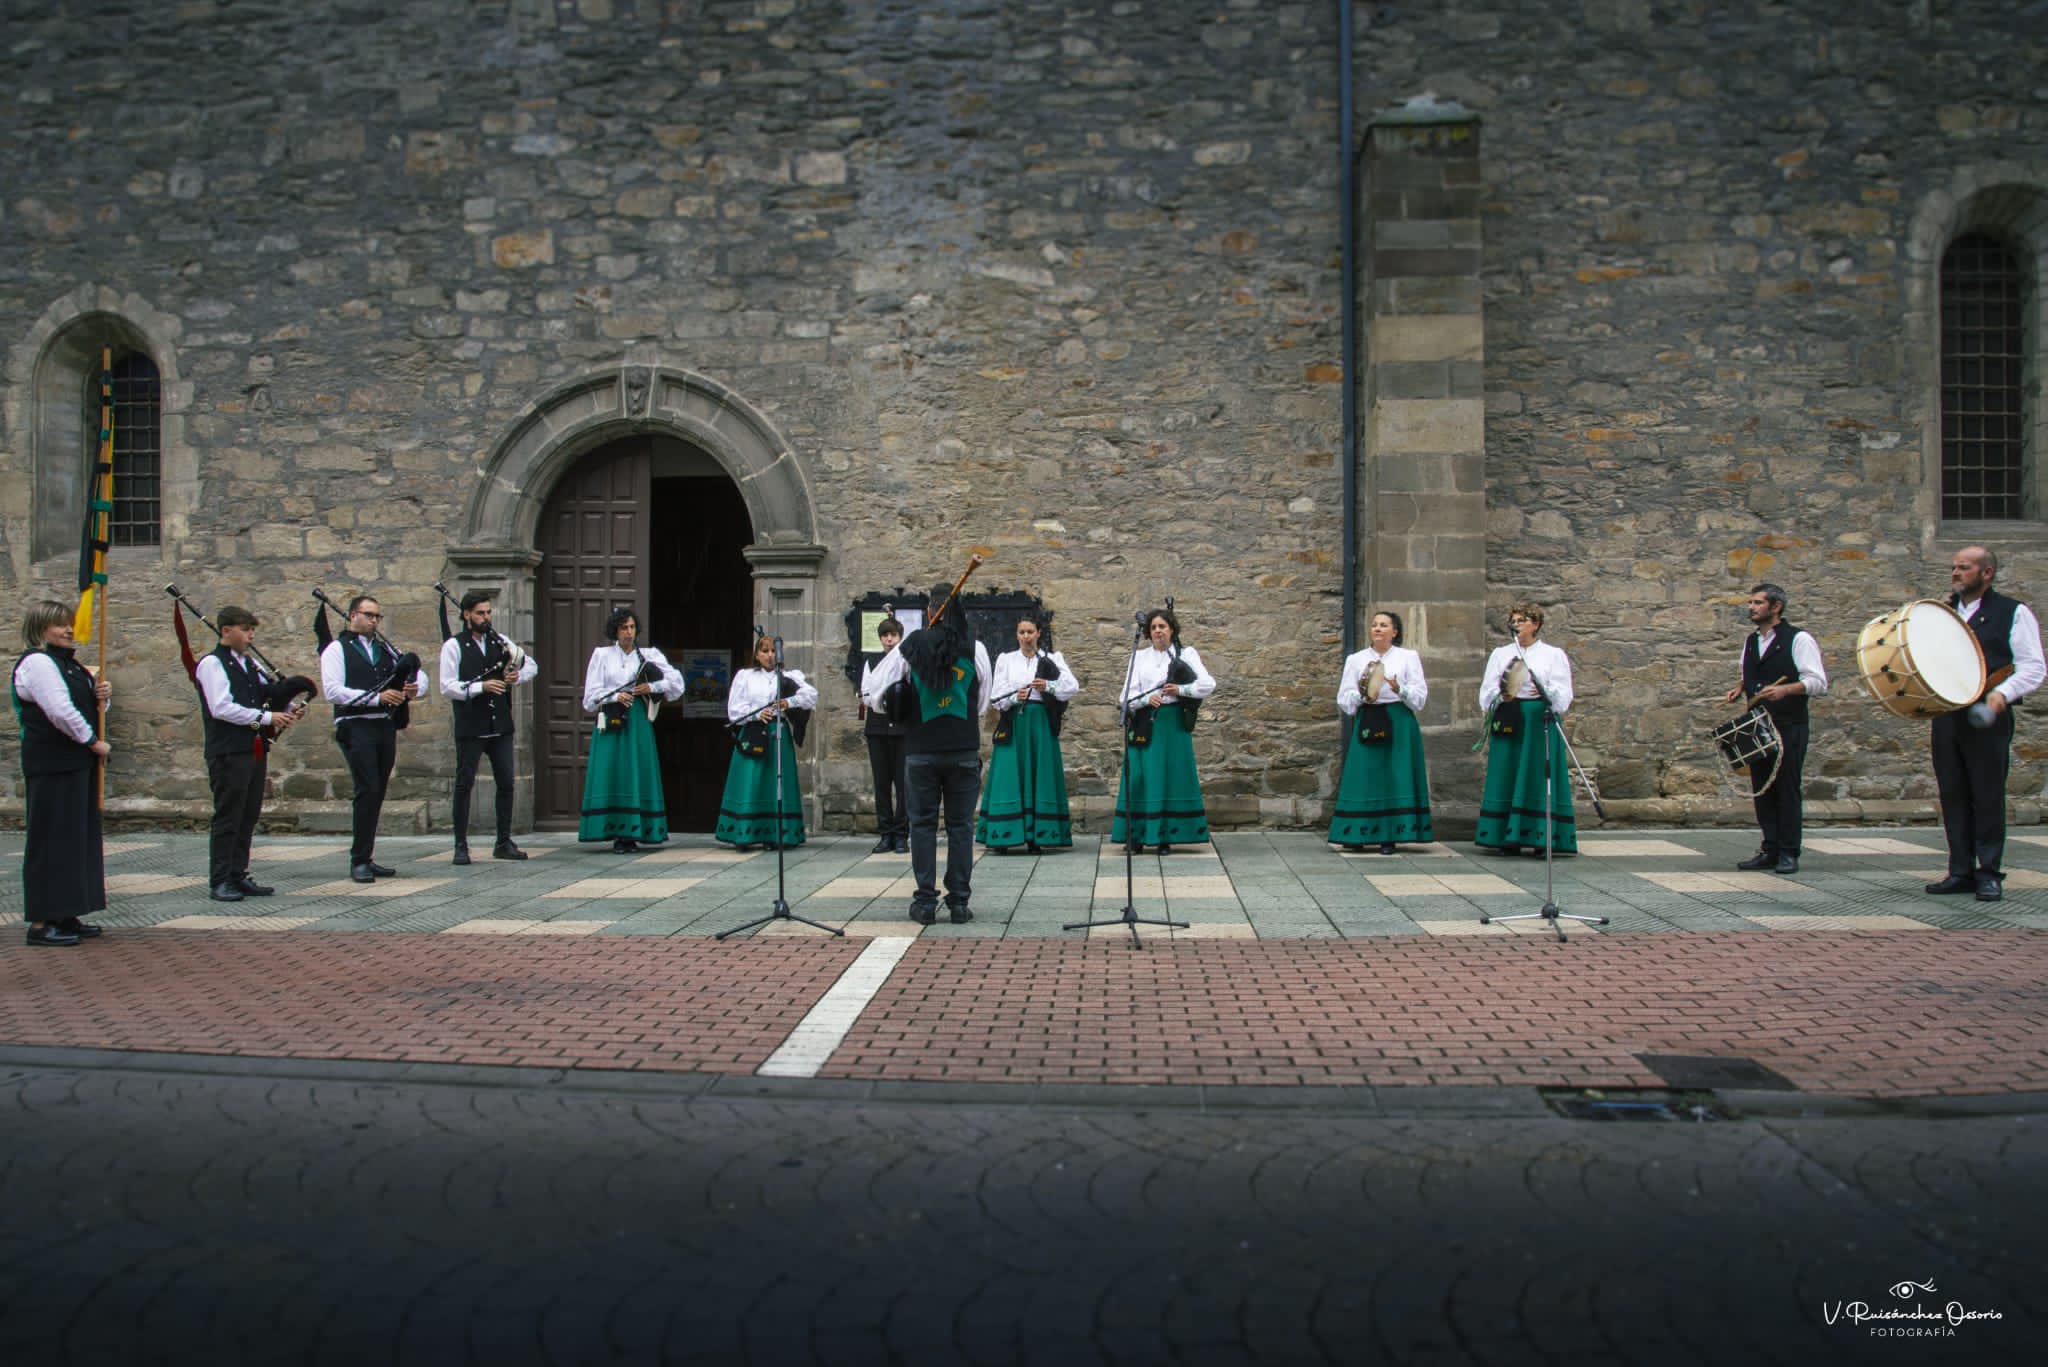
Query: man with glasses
[[358, 675]]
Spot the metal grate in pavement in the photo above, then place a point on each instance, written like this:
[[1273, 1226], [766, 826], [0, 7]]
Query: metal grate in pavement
[[1706, 1073]]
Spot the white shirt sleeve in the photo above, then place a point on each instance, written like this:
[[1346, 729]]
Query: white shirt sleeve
[[670, 685], [1806, 659], [1414, 687], [1204, 684], [595, 694], [1554, 668], [1066, 686], [334, 679], [2028, 667], [1489, 682], [1009, 677], [452, 685], [213, 686], [1349, 698], [39, 681], [883, 673], [983, 677]]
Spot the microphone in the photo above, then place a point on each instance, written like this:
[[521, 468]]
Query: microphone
[[1169, 602], [1139, 617], [758, 633]]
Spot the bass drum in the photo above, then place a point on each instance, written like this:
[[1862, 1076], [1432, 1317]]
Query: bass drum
[[1921, 660]]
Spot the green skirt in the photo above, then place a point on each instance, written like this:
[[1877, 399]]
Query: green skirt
[[1159, 797], [622, 784], [1024, 800], [746, 814], [1384, 798], [1511, 808]]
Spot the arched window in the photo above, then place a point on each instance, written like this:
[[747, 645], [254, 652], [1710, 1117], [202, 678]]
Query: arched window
[[1985, 465], [138, 450]]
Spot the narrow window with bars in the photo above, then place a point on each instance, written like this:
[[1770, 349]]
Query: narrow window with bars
[[1984, 471], [138, 449]]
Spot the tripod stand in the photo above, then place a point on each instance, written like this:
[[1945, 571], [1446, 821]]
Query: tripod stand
[[1549, 912], [776, 726], [1129, 917]]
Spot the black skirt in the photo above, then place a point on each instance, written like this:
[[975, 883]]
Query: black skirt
[[63, 871]]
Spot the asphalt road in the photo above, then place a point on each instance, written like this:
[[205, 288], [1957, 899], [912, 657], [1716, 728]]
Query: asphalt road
[[246, 1215]]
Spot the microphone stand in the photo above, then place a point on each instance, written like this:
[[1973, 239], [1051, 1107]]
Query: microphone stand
[[1129, 917], [780, 911], [1549, 912]]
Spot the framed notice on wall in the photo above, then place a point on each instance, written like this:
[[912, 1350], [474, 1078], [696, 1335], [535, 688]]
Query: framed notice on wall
[[870, 619], [707, 674]]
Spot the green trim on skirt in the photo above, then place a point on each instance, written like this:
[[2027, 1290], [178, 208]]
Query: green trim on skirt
[[1384, 797], [622, 797], [1511, 808], [746, 813], [1159, 796], [1024, 800]]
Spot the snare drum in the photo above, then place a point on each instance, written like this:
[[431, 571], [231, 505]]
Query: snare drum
[[1751, 738], [1921, 660]]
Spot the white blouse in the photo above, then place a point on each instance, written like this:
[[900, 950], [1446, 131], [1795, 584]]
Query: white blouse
[[1148, 675], [1547, 666], [38, 679], [1013, 672], [754, 689], [612, 669], [1400, 665]]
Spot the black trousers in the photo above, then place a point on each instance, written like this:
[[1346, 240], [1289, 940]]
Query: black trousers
[[63, 863], [371, 748], [1780, 813], [237, 781], [468, 754], [1969, 770], [892, 810], [951, 778]]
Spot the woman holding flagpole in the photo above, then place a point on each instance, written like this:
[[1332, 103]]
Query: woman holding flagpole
[[63, 867]]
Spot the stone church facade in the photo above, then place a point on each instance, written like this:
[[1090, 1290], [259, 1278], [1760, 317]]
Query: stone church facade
[[742, 310]]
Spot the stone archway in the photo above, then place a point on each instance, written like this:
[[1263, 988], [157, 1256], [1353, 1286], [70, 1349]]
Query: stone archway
[[499, 545]]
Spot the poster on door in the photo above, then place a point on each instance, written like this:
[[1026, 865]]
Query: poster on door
[[707, 674]]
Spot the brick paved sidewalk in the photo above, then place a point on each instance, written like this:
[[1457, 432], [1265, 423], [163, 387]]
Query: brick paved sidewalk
[[1249, 885]]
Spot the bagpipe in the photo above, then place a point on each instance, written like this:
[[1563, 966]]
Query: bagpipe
[[611, 714], [1375, 720], [750, 737], [1138, 721], [502, 655], [1055, 708], [897, 705], [405, 669], [278, 691]]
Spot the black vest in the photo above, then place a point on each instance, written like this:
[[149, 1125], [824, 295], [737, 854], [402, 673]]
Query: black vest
[[361, 676], [223, 738], [1992, 622], [878, 721], [487, 714], [44, 748], [1776, 666]]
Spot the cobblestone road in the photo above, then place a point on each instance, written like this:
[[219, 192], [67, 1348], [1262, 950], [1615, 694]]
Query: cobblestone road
[[161, 1216]]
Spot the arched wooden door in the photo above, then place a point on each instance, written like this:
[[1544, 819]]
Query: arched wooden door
[[594, 557]]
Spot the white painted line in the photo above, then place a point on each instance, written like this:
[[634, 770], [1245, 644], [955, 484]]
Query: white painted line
[[819, 1033]]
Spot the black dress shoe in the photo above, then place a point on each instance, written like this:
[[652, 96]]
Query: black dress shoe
[[1135, 846], [1953, 884], [381, 871], [52, 935], [505, 849], [884, 846], [84, 930], [361, 873], [1762, 859], [1990, 888], [625, 847], [958, 913], [251, 888], [461, 856], [903, 844], [1165, 848], [1787, 864], [1031, 847], [922, 914], [227, 892], [1387, 847], [1509, 851]]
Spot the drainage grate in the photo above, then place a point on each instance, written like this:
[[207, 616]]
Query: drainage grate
[[1714, 1074], [1657, 1107]]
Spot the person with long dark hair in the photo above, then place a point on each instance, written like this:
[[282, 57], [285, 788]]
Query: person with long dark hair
[[937, 682], [1024, 802], [1383, 799], [747, 813], [63, 864], [622, 797], [1159, 796]]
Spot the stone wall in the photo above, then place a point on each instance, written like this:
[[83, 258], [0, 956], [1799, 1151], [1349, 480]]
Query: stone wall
[[1057, 278]]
